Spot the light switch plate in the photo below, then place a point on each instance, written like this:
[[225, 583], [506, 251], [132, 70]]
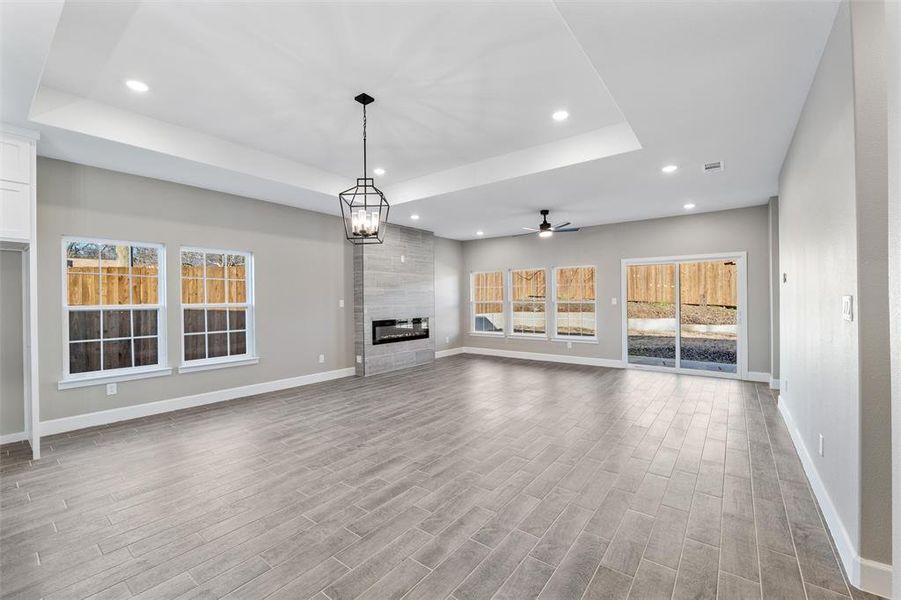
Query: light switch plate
[[848, 308], [613, 301]]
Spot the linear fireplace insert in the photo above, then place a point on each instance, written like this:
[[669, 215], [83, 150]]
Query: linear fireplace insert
[[399, 330]]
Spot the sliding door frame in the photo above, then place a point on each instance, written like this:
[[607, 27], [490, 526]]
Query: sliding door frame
[[741, 357]]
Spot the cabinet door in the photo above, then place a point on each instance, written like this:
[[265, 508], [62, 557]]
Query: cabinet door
[[15, 211], [15, 160]]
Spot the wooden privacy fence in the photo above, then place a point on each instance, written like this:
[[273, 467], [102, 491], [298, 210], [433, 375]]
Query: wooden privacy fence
[[92, 283], [702, 283]]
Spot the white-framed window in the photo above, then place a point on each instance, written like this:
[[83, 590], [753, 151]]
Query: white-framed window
[[575, 302], [528, 303], [487, 302], [114, 304], [217, 307]]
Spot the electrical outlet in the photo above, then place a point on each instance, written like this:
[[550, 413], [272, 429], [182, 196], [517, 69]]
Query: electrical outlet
[[613, 301], [111, 389], [403, 258], [322, 358], [359, 359], [569, 345], [341, 303], [447, 339], [822, 442]]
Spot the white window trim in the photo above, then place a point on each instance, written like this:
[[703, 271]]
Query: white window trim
[[584, 339], [472, 301], [548, 317], [73, 380], [133, 374], [588, 339], [220, 362]]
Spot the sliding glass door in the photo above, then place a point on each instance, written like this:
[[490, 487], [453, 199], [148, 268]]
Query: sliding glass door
[[683, 313], [708, 316], [651, 314]]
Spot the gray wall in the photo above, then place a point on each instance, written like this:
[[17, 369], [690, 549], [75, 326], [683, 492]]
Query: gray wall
[[775, 284], [893, 37], [450, 291], [832, 226], [871, 179], [605, 246], [818, 253], [303, 268], [394, 280], [12, 406]]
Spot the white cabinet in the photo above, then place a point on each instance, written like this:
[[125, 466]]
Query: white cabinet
[[17, 189], [15, 159], [15, 211]]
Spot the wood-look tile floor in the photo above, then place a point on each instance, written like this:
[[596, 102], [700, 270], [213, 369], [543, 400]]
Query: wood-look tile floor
[[473, 478]]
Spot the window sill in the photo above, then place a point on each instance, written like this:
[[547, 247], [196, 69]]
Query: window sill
[[78, 382], [497, 334], [526, 336], [576, 340], [219, 364]]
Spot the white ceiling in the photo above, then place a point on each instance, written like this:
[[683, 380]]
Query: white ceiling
[[282, 79], [258, 100]]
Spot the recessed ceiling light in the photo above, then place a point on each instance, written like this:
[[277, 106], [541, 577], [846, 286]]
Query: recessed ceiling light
[[480, 232], [414, 217], [379, 171], [670, 168], [688, 205], [560, 115], [137, 86]]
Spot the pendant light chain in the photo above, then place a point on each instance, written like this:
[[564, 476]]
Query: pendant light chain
[[364, 141]]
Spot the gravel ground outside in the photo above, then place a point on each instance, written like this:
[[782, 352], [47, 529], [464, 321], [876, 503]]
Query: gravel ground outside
[[700, 349], [691, 315]]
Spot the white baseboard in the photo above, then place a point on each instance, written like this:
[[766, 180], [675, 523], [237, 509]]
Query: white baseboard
[[449, 352], [758, 376], [126, 413], [557, 358], [11, 438], [774, 384], [867, 575]]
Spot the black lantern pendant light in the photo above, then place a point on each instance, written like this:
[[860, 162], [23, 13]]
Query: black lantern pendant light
[[363, 206]]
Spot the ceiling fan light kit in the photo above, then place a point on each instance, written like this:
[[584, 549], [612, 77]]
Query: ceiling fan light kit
[[546, 230], [364, 207]]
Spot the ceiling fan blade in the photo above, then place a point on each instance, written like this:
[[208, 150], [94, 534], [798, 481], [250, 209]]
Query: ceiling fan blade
[[560, 226], [529, 229], [568, 230], [521, 234]]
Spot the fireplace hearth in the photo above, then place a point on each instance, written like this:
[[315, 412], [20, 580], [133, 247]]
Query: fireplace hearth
[[389, 331]]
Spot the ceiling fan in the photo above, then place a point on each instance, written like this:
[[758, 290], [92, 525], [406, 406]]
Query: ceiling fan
[[546, 230]]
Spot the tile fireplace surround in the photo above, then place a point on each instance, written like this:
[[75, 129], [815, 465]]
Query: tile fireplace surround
[[394, 280]]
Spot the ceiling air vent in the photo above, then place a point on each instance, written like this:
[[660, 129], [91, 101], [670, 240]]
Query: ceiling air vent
[[713, 167]]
